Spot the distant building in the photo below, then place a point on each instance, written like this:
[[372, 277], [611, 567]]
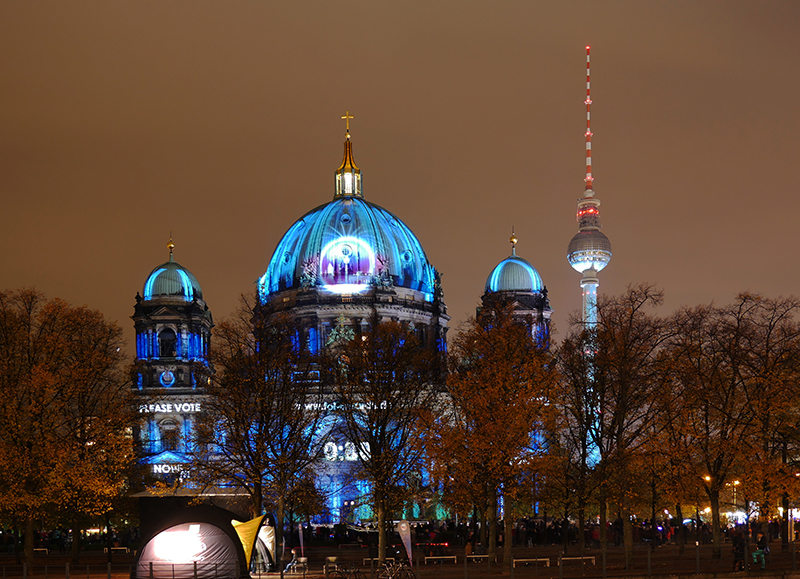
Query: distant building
[[336, 269]]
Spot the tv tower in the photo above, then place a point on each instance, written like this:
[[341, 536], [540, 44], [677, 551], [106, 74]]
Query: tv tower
[[590, 250]]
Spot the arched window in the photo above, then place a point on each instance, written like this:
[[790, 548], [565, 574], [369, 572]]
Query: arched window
[[166, 343], [170, 434]]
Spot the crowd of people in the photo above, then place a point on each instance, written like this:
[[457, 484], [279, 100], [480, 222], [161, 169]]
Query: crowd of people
[[59, 540]]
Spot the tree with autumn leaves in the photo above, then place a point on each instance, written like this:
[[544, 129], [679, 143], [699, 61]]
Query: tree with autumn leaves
[[734, 383], [65, 412], [687, 405], [489, 442]]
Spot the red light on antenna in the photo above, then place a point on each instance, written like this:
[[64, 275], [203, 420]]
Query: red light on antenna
[[588, 47]]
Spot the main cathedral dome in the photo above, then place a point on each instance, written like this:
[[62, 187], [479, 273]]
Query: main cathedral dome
[[347, 246]]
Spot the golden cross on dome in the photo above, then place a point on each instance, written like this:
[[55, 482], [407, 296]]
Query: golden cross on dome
[[347, 116]]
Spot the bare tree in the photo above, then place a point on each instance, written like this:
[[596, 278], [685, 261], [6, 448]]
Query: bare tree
[[259, 426], [573, 455], [735, 370], [381, 380], [613, 369]]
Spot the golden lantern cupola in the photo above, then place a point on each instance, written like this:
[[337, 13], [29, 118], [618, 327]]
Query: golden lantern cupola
[[348, 175]]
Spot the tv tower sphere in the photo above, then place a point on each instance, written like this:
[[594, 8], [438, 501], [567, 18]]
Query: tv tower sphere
[[589, 249]]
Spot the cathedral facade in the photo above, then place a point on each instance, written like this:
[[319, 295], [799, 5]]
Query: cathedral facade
[[340, 267]]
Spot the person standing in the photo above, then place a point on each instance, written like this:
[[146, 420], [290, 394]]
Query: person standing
[[762, 549], [738, 550]]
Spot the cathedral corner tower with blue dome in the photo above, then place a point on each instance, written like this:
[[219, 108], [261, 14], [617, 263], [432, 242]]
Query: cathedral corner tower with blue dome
[[516, 280], [173, 332]]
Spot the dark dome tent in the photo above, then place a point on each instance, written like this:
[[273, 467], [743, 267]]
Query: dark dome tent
[[203, 542]]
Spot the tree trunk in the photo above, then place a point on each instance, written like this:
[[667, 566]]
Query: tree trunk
[[653, 527], [627, 530], [109, 539], [257, 498], [474, 527], [785, 504], [484, 531], [697, 525], [785, 523], [544, 524], [507, 533], [565, 525], [681, 531], [603, 521], [381, 512], [582, 494], [17, 554], [29, 539], [75, 549], [492, 516], [280, 508], [290, 518], [716, 552]]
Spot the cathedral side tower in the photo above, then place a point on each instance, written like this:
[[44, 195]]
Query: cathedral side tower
[[517, 280], [173, 332]]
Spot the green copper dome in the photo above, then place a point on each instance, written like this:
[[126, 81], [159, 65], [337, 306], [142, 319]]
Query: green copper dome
[[171, 279], [514, 274]]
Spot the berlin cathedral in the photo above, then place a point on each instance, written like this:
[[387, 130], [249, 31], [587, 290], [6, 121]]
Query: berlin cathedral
[[343, 262]]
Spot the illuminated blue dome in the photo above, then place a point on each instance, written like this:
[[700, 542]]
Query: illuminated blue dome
[[171, 279], [345, 247], [514, 274]]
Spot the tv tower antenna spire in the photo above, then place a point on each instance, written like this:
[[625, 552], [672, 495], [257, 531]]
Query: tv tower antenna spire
[[589, 251], [589, 179]]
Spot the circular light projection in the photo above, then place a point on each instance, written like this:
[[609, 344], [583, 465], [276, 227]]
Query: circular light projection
[[167, 378], [197, 549], [347, 265]]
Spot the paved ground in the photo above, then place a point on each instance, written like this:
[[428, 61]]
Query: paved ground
[[666, 560]]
